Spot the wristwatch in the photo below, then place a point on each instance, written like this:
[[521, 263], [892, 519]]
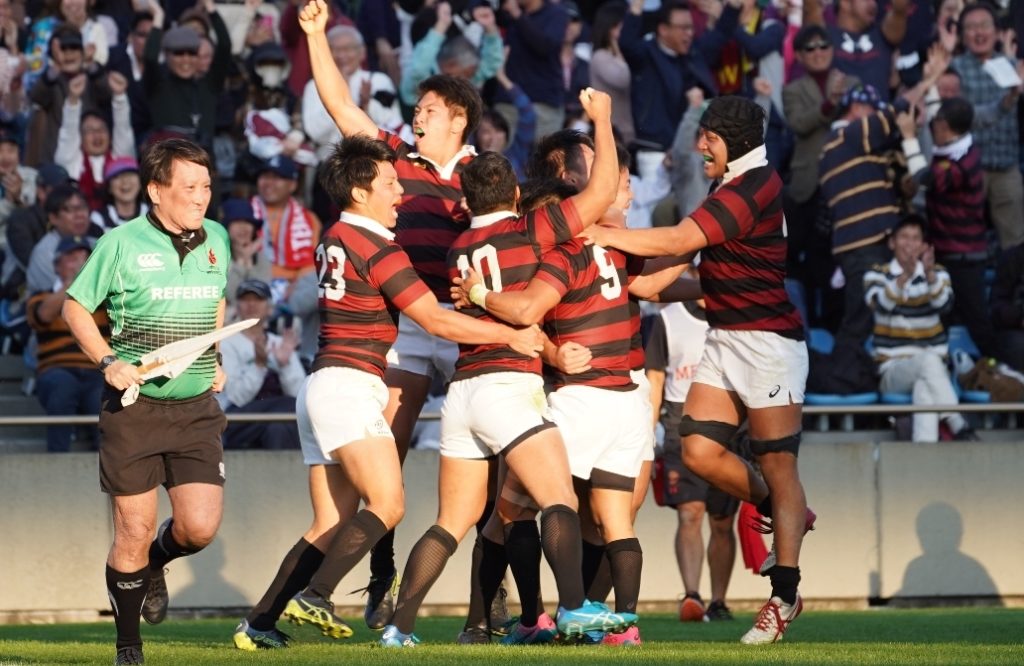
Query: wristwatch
[[106, 362]]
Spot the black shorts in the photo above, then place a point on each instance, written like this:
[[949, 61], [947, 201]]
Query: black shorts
[[159, 442], [690, 488]]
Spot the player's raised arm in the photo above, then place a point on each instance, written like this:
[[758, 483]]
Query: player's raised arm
[[458, 327], [330, 84], [599, 193]]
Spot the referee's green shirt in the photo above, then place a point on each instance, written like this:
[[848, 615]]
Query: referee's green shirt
[[154, 298]]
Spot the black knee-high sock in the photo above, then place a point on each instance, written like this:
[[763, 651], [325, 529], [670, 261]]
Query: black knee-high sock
[[522, 545], [593, 557], [426, 562], [489, 573], [784, 582], [626, 560], [348, 547], [164, 548], [562, 543], [601, 586], [127, 591], [382, 556], [296, 569]]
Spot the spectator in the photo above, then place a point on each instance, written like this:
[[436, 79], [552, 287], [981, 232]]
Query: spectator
[[575, 69], [51, 89], [861, 203], [810, 104], [609, 71], [907, 296], [129, 60], [995, 130], [293, 39], [1008, 307], [17, 182], [956, 217], [535, 30], [122, 194], [664, 68], [182, 103], [689, 183], [26, 227], [72, 14], [378, 23], [493, 132], [251, 24], [292, 230], [67, 381], [456, 56], [864, 45], [247, 259], [68, 214], [264, 374], [85, 146]]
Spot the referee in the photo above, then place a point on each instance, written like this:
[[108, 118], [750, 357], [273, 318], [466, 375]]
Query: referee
[[161, 278]]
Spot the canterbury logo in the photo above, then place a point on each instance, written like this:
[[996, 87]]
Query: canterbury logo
[[129, 584], [151, 261]]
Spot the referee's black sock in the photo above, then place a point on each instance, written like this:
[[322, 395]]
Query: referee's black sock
[[522, 545], [296, 569], [562, 543], [127, 591], [426, 562], [382, 557], [349, 546], [784, 582], [626, 561], [164, 548]]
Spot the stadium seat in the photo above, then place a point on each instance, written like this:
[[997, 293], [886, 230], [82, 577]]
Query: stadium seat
[[821, 340], [960, 341]]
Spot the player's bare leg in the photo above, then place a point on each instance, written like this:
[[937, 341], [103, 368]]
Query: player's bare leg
[[690, 557], [127, 571]]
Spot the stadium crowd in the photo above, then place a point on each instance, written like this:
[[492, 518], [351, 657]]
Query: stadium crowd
[[873, 115]]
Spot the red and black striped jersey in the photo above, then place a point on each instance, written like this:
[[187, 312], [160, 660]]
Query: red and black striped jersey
[[594, 311], [365, 278], [637, 357], [742, 271], [430, 216], [506, 254]]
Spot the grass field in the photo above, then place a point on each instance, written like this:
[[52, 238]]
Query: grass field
[[882, 636]]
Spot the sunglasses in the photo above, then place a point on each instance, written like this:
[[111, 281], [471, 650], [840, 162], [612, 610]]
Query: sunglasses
[[184, 52], [816, 46]]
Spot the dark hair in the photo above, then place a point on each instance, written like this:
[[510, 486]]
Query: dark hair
[[950, 71], [353, 163], [158, 159], [139, 17], [973, 7], [496, 119], [95, 113], [489, 183], [664, 15], [912, 220], [60, 196], [545, 192], [958, 114], [63, 31], [607, 17], [557, 153], [623, 157], [808, 33], [459, 95]]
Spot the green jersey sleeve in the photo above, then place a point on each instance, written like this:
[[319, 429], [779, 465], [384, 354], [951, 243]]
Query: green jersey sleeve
[[92, 287]]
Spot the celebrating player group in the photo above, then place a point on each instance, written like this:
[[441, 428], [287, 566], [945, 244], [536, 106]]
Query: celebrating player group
[[441, 267]]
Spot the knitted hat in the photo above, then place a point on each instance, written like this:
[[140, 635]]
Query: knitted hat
[[738, 120], [120, 165], [861, 94]]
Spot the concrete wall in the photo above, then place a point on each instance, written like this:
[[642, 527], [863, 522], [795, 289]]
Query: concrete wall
[[894, 519]]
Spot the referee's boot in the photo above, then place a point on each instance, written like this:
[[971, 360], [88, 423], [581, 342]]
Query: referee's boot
[[131, 654], [154, 608]]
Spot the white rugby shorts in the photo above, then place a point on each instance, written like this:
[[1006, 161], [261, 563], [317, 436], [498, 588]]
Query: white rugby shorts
[[765, 369], [337, 406], [489, 413], [421, 353], [639, 378], [602, 429]]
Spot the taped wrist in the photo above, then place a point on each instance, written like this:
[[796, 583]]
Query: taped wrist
[[478, 294]]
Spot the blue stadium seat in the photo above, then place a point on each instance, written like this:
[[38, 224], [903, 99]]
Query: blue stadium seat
[[821, 341]]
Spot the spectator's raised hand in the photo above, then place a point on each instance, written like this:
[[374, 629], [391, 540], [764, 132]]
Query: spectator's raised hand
[[597, 105], [907, 123], [763, 87], [500, 75], [286, 346], [158, 13], [76, 88], [937, 62], [313, 17], [117, 82], [484, 15], [12, 186], [694, 97], [444, 18], [512, 8]]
